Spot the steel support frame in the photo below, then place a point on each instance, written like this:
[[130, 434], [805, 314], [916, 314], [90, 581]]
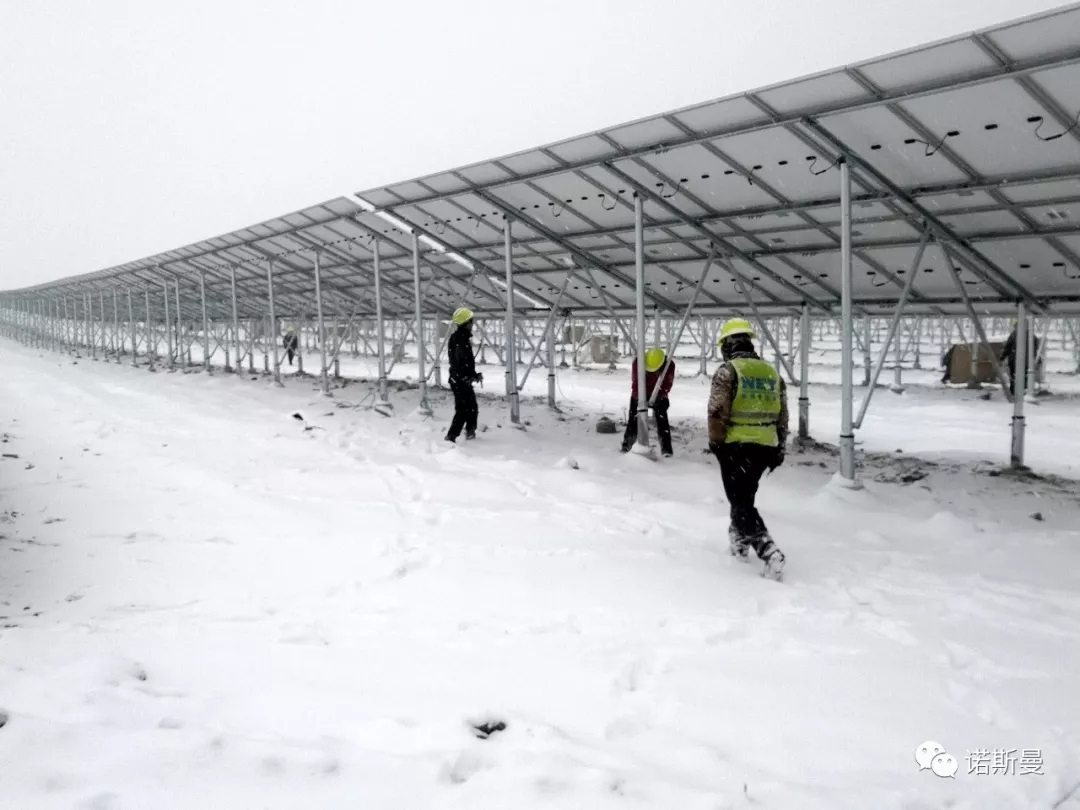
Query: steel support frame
[[639, 290], [205, 323], [847, 432], [424, 407], [804, 374], [898, 314], [272, 327], [954, 273], [673, 339], [1016, 454], [511, 332], [382, 396], [323, 370], [740, 282]]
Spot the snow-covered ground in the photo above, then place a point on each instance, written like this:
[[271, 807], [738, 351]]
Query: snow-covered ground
[[207, 602]]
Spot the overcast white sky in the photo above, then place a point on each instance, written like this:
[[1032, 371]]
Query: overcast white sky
[[129, 128]]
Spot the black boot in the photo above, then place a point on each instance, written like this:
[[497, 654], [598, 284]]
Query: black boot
[[738, 545], [773, 558]]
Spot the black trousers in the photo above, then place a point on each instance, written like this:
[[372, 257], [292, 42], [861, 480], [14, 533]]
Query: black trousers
[[741, 467], [466, 410], [663, 426], [290, 352]]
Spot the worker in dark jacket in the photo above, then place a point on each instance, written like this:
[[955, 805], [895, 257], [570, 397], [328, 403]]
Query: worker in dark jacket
[[654, 362], [291, 343], [748, 426], [462, 376], [1008, 354]]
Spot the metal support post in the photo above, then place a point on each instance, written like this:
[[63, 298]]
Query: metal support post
[[847, 433], [92, 344], [918, 342], [322, 325], [804, 373], [703, 369], [101, 308], [183, 347], [168, 326], [382, 398], [151, 347], [273, 327], [424, 408], [235, 317], [551, 365], [511, 333], [205, 323], [1016, 456], [437, 359], [1029, 388], [973, 381], [897, 386], [131, 330], [868, 350], [639, 289], [117, 340]]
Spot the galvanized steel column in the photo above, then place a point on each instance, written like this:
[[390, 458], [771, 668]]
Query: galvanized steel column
[[868, 349], [847, 435], [1016, 457], [1029, 389], [804, 373], [181, 356], [511, 335], [639, 290], [322, 328], [235, 317], [897, 386], [104, 344], [117, 341], [551, 363], [151, 348], [425, 407], [168, 326], [382, 398], [90, 326], [131, 328], [205, 322], [973, 382], [273, 329]]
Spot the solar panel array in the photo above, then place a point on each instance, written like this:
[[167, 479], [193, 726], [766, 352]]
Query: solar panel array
[[975, 140]]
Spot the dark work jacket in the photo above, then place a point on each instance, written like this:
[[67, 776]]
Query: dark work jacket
[[1008, 352], [291, 342], [460, 353], [650, 381]]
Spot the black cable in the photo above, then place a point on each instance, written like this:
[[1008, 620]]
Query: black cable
[[1045, 139], [814, 159], [931, 149]]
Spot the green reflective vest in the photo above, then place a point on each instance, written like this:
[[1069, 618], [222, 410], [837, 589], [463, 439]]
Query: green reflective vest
[[756, 409]]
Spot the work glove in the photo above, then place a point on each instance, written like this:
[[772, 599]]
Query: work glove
[[778, 459], [479, 378]]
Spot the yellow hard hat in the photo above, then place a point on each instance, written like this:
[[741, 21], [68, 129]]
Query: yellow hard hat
[[654, 358], [736, 326], [461, 316]]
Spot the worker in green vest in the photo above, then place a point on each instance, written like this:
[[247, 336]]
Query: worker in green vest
[[748, 425]]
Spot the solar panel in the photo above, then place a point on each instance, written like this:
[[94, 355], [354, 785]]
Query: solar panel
[[975, 138]]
